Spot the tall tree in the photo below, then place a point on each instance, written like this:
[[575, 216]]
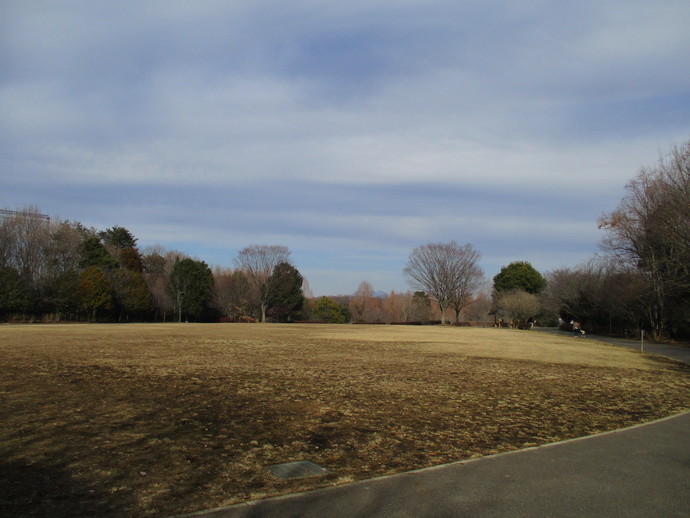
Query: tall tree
[[420, 307], [62, 251], [132, 295], [157, 264], [361, 300], [258, 263], [14, 293], [60, 295], [189, 286], [62, 258], [122, 245], [94, 253], [94, 292], [118, 237], [443, 271], [395, 307], [231, 294], [287, 300], [650, 231], [468, 279], [23, 238], [519, 275]]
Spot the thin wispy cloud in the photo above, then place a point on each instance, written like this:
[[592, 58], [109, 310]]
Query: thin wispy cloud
[[356, 130]]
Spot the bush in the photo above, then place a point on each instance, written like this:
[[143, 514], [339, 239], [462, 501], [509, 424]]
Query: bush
[[328, 310]]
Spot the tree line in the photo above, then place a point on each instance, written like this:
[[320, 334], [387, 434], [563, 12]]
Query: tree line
[[54, 270], [62, 270], [641, 281]]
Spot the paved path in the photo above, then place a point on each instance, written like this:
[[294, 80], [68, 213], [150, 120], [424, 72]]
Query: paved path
[[642, 471], [675, 352]]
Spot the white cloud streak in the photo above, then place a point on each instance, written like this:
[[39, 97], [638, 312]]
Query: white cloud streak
[[367, 127]]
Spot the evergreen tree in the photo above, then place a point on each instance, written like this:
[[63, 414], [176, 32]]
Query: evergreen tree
[[14, 293], [328, 310], [287, 300], [190, 287], [519, 275], [94, 253]]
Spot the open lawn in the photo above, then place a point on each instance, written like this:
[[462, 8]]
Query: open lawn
[[155, 420]]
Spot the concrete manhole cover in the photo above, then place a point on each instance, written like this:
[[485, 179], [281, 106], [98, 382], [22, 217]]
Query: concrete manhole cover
[[299, 469]]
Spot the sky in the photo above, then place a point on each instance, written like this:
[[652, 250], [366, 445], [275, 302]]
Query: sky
[[350, 132]]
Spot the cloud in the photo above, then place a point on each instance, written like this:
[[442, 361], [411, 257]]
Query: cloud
[[352, 130]]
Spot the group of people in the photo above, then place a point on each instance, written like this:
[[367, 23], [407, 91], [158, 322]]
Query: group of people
[[574, 325], [520, 325]]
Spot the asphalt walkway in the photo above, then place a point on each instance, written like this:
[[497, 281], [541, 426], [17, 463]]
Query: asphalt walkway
[[642, 471], [675, 352], [680, 352]]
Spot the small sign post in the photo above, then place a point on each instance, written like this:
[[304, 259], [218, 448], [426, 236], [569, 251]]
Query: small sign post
[[642, 341]]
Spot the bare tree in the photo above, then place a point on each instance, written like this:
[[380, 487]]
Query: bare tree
[[518, 306], [361, 300], [306, 289], [480, 308], [23, 239], [396, 307], [468, 278], [603, 294], [446, 272], [231, 293], [650, 231], [158, 264], [258, 263], [62, 252]]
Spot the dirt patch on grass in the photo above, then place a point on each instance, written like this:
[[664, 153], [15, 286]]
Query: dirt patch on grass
[[154, 420]]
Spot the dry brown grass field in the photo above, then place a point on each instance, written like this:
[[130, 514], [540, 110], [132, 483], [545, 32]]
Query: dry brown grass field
[[156, 420]]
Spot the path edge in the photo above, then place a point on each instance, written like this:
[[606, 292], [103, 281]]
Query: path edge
[[253, 503]]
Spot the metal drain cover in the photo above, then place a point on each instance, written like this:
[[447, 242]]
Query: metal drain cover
[[299, 469]]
